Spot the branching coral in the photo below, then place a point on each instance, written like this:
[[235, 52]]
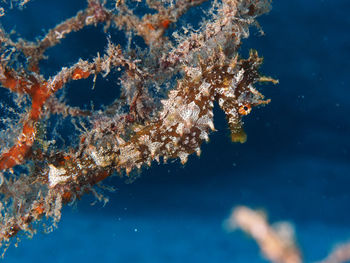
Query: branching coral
[[198, 68]]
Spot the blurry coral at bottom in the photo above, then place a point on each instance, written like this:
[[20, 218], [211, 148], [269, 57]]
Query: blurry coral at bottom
[[277, 242], [165, 111]]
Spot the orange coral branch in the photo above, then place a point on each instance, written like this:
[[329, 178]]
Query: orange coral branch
[[17, 153]]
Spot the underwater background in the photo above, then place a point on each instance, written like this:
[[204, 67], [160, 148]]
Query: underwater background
[[295, 164]]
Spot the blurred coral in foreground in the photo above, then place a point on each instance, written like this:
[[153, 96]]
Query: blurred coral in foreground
[[277, 242]]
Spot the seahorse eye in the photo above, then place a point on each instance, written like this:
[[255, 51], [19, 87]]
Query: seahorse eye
[[245, 109]]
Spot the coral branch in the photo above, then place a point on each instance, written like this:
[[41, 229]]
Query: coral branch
[[95, 13], [277, 241], [277, 245], [340, 254], [18, 152]]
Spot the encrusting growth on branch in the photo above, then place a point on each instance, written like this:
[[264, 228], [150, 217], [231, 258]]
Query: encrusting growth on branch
[[199, 69]]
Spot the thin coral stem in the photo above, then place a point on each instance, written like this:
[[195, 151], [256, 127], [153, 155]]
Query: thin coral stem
[[95, 13]]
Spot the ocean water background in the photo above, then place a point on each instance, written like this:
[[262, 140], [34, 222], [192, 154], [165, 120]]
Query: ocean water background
[[295, 164]]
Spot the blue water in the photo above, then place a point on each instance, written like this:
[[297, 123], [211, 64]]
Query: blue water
[[295, 164]]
